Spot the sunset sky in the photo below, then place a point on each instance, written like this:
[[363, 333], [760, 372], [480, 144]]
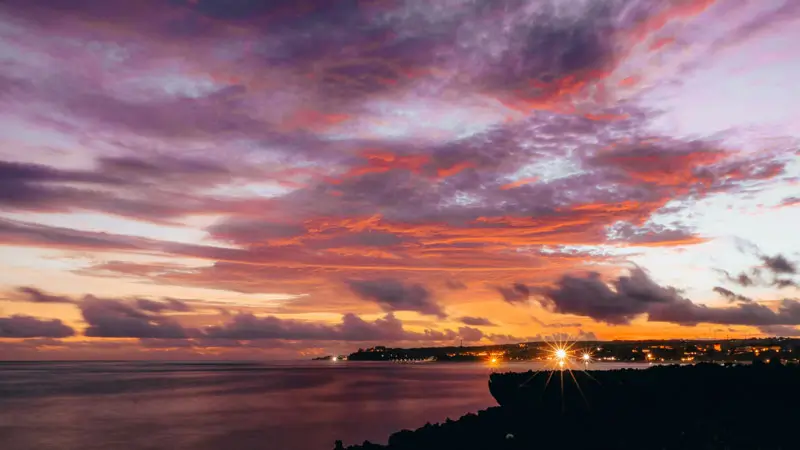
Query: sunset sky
[[225, 179]]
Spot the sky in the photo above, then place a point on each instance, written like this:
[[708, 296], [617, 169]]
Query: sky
[[187, 179]]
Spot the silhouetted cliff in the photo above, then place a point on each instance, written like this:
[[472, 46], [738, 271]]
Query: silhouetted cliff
[[705, 406]]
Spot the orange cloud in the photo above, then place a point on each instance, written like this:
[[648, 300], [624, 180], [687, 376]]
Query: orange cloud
[[454, 169], [606, 117], [630, 81], [660, 43], [312, 120], [378, 161], [685, 9], [662, 167], [520, 182]]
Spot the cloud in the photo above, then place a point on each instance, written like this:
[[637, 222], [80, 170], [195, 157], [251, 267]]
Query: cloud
[[390, 147], [470, 334], [742, 279], [652, 235], [790, 202], [351, 328], [19, 326], [556, 325], [586, 336], [33, 295], [394, 295], [516, 293], [568, 337], [476, 321], [112, 318], [157, 188], [731, 296], [169, 304], [145, 319], [780, 330], [455, 285], [629, 296], [778, 264], [499, 339], [784, 283], [684, 312]]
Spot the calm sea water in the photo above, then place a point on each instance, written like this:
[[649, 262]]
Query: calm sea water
[[230, 406]]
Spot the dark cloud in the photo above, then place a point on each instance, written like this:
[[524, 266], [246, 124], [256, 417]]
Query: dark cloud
[[470, 334], [780, 330], [732, 296], [778, 264], [33, 295], [351, 328], [144, 319], [684, 312], [168, 304], [477, 321], [394, 295], [784, 283], [742, 279], [118, 319], [156, 187], [516, 293], [548, 47], [781, 268], [19, 326], [632, 295], [636, 294]]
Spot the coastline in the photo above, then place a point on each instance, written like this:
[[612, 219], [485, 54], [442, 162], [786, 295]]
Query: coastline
[[702, 406]]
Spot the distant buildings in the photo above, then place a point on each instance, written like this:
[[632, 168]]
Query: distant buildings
[[741, 350]]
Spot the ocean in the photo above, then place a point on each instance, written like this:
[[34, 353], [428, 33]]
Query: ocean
[[231, 405]]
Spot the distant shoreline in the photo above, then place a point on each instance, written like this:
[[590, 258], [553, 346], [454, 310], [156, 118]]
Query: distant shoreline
[[635, 351]]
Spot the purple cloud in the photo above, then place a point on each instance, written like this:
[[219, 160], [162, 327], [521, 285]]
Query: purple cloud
[[635, 294], [115, 318], [351, 328], [477, 321], [516, 293], [731, 296], [19, 326], [778, 264], [470, 334], [34, 295], [168, 304], [394, 295]]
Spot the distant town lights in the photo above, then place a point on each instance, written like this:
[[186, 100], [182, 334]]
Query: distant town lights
[[586, 357]]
